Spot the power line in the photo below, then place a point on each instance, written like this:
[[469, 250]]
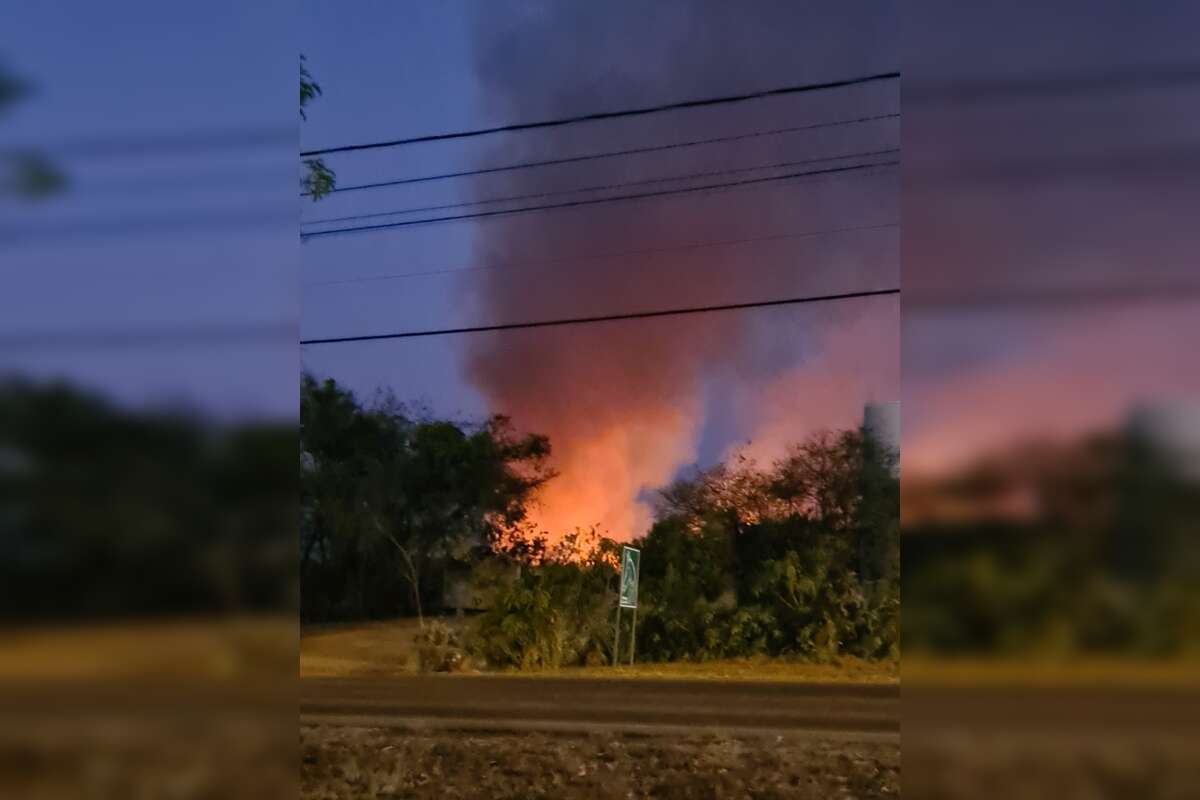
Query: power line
[[205, 220], [991, 89], [149, 338], [604, 318], [181, 182], [602, 115], [597, 200], [1173, 163], [610, 154], [144, 143], [603, 187], [1051, 297], [613, 254]]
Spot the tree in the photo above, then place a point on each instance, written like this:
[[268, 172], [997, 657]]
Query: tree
[[111, 512], [378, 481], [738, 493], [27, 173], [810, 545], [319, 180], [820, 478]]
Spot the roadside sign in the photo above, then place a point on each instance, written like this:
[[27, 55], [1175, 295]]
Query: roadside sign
[[631, 559]]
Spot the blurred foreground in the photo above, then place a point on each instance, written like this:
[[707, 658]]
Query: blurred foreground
[[147, 401], [1050, 494], [186, 709], [148, 643]]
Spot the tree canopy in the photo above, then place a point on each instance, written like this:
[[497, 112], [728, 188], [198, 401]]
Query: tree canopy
[[386, 493], [319, 180]]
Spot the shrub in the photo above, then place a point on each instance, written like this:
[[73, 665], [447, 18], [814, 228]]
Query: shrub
[[551, 615], [798, 607], [439, 648], [521, 630]]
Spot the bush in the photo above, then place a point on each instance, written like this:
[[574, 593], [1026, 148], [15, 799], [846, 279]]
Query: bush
[[703, 632], [521, 630], [798, 607], [551, 615], [800, 559], [439, 648]]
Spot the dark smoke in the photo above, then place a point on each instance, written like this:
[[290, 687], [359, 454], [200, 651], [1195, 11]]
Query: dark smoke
[[626, 404]]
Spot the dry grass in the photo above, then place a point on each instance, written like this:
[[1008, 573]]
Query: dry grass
[[184, 648], [1094, 671], [846, 670], [382, 649], [184, 708], [369, 649]]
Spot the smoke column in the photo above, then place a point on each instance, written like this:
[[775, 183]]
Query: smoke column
[[626, 405]]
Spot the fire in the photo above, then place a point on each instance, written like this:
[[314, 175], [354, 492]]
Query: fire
[[637, 409], [601, 476]]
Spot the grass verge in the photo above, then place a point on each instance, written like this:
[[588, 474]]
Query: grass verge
[[846, 670], [1096, 671], [385, 649]]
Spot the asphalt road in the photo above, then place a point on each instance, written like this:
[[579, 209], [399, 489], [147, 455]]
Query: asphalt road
[[573, 705], [1076, 711]]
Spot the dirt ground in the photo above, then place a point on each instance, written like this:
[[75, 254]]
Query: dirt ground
[[375, 763], [183, 757], [1006, 767]]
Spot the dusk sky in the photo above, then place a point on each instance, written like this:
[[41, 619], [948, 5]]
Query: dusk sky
[[151, 236], [627, 405], [1056, 189], [1062, 162]]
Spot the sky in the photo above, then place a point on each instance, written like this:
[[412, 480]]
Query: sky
[[1049, 186], [627, 406], [1072, 188], [152, 237]]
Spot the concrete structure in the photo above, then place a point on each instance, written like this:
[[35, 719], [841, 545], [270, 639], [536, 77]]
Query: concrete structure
[[1172, 429], [881, 421], [459, 591]]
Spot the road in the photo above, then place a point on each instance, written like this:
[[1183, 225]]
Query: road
[[608, 704], [1091, 712]]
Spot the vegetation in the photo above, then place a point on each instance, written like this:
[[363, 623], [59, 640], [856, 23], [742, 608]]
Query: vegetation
[[26, 174], [439, 648], [379, 648], [754, 668], [389, 500], [811, 554], [1103, 563], [319, 180], [391, 648], [799, 559], [558, 610], [106, 512], [244, 647]]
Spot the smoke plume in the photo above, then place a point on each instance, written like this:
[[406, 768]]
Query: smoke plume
[[627, 404]]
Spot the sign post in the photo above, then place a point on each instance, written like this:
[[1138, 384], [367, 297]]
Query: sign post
[[617, 631], [631, 561]]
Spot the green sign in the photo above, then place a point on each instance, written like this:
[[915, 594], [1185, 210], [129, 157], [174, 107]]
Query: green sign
[[631, 559]]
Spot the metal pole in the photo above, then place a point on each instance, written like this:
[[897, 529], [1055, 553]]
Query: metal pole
[[617, 642], [633, 636]]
